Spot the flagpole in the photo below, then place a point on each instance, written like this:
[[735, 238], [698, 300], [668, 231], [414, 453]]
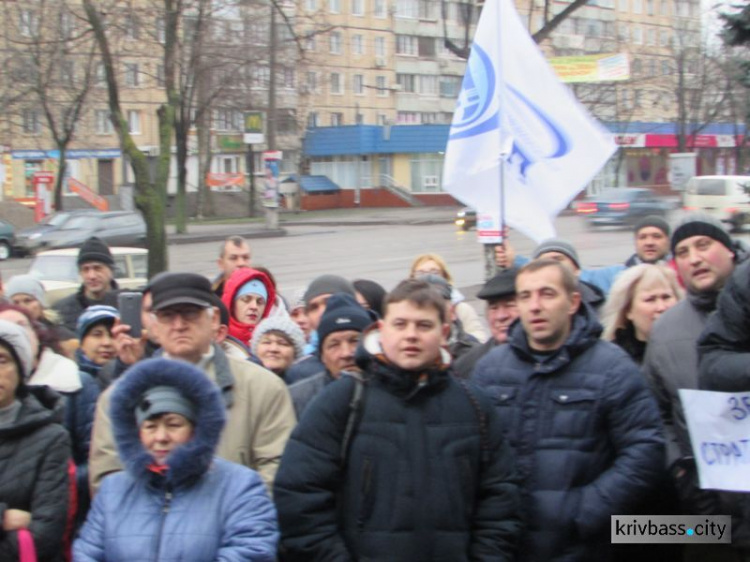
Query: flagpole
[[501, 85]]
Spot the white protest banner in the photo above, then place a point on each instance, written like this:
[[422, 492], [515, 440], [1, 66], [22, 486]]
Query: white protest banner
[[719, 426], [513, 107]]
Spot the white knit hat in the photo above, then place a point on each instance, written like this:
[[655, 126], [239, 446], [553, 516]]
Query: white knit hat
[[27, 285], [280, 323], [16, 337]]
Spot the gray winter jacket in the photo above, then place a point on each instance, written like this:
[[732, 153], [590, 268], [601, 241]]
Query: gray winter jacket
[[671, 363]]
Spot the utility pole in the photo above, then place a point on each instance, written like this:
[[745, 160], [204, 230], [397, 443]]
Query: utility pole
[[272, 213]]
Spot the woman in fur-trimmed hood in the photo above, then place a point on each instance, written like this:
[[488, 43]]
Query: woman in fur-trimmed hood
[[167, 418], [249, 296]]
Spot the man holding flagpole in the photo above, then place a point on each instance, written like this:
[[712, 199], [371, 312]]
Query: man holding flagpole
[[520, 145]]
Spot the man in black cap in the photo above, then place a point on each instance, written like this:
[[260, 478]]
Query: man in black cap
[[339, 331], [95, 265], [260, 416], [500, 295]]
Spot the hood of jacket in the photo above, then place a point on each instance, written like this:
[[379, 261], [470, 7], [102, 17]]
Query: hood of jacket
[[189, 461], [57, 372], [406, 384], [240, 330], [585, 331], [40, 406]]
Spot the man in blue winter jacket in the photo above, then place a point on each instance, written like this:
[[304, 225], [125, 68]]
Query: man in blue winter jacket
[[585, 428]]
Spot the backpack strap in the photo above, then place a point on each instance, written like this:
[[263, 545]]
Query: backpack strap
[[355, 414], [484, 438]]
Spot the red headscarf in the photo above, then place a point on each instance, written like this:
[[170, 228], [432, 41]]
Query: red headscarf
[[237, 329]]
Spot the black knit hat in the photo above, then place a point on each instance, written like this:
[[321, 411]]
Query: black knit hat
[[656, 222], [94, 249], [440, 283], [181, 288], [328, 285], [701, 224], [342, 313], [501, 285]]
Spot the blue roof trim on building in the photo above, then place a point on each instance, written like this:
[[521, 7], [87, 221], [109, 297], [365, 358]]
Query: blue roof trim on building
[[318, 184], [354, 140]]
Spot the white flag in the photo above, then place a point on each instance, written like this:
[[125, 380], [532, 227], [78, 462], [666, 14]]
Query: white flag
[[513, 106]]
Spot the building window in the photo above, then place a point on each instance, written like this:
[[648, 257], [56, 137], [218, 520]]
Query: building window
[[637, 66], [382, 86], [134, 122], [358, 45], [103, 122], [228, 120], [427, 10], [623, 5], [407, 45], [382, 119], [336, 85], [406, 82], [28, 23], [407, 9], [67, 73], [335, 42], [427, 46], [623, 32], [637, 35], [132, 28], [380, 9], [666, 68], [160, 78], [358, 84], [310, 43], [312, 82], [407, 117], [260, 77], [450, 86], [312, 119], [358, 7], [67, 25], [311, 5], [650, 7], [428, 85], [625, 99], [334, 6], [337, 119], [664, 38], [664, 9], [650, 36], [32, 124], [637, 6], [380, 47], [132, 77], [286, 121]]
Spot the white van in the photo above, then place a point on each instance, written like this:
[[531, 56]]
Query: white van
[[725, 197]]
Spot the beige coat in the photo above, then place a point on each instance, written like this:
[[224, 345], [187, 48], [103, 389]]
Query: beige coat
[[260, 418]]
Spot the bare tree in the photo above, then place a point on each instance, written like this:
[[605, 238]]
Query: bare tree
[[150, 185]]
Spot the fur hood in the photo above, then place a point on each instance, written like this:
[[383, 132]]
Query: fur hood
[[237, 329], [191, 460]]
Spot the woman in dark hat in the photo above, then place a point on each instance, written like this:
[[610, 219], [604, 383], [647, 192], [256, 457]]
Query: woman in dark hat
[[175, 498]]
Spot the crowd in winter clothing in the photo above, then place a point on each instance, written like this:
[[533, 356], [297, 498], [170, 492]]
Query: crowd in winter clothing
[[349, 422]]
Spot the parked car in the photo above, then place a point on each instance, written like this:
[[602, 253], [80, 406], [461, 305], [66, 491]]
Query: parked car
[[725, 197], [116, 228], [28, 240], [621, 206], [466, 218], [7, 237], [58, 270]]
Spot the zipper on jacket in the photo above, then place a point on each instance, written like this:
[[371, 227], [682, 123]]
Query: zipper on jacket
[[419, 386], [164, 512]]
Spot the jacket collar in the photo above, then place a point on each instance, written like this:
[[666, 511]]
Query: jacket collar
[[584, 333]]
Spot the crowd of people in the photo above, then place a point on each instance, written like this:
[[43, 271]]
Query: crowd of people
[[348, 422]]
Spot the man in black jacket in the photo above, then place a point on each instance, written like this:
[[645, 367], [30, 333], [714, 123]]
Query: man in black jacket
[[500, 294], [95, 265], [584, 426], [415, 469]]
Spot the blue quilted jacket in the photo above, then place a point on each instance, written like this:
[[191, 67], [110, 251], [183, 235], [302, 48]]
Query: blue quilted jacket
[[202, 509], [587, 436]]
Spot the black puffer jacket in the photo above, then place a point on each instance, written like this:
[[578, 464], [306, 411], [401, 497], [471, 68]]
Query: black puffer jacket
[[414, 487], [71, 307], [724, 345], [587, 436], [34, 454]]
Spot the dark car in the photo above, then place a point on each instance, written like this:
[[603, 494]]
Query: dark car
[[7, 236], [621, 206], [28, 240], [116, 228], [466, 218]]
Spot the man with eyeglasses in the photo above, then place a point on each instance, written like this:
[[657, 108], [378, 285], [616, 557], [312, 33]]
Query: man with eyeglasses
[[260, 416]]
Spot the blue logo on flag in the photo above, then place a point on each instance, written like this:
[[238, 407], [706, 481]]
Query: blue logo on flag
[[535, 135]]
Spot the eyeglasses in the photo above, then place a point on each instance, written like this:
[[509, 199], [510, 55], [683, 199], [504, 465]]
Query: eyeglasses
[[187, 313]]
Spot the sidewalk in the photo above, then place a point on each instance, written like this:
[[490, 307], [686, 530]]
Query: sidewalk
[[256, 228]]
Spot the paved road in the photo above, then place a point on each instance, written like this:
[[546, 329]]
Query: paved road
[[361, 244]]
